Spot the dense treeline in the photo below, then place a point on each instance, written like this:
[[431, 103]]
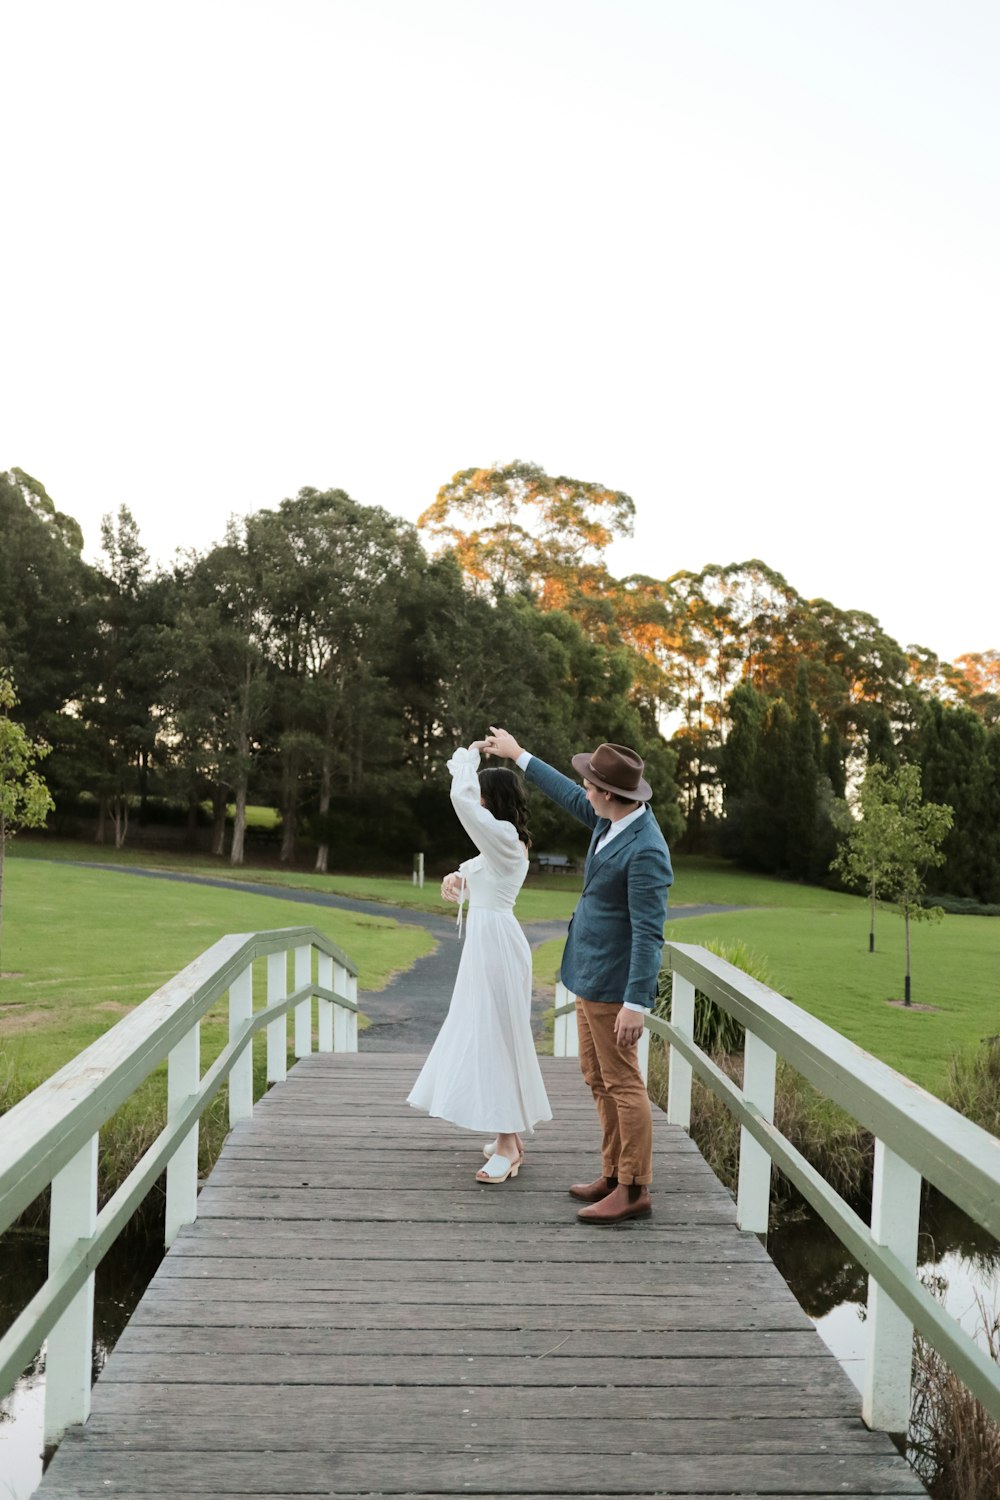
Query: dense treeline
[[323, 660]]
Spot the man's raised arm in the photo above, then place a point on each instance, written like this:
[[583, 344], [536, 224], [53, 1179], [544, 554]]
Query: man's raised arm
[[568, 794]]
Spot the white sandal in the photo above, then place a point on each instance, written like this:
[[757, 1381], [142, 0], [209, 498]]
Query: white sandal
[[499, 1168]]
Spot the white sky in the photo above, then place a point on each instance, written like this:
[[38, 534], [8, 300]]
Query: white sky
[[738, 258]]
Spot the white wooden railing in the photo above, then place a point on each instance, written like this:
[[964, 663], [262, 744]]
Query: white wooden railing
[[51, 1136], [917, 1137]]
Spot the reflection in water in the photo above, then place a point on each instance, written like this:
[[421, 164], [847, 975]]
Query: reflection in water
[[833, 1288], [121, 1280]]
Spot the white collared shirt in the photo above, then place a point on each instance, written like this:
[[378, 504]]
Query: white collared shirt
[[620, 827]]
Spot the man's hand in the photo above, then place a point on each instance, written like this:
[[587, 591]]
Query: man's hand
[[451, 887], [499, 742], [628, 1027]]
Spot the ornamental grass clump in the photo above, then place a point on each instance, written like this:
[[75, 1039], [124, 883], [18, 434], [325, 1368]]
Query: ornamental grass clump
[[973, 1086], [954, 1444]]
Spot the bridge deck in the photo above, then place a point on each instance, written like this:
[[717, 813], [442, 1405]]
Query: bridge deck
[[353, 1315]]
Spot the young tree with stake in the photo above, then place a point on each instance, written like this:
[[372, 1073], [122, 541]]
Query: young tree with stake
[[865, 858]]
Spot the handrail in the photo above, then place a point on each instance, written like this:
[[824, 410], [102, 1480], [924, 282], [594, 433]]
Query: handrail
[[957, 1156], [51, 1136], [917, 1136]]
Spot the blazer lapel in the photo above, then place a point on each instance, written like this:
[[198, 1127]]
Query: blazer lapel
[[600, 829], [596, 858]]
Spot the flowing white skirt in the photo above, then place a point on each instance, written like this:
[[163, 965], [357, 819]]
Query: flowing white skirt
[[482, 1072]]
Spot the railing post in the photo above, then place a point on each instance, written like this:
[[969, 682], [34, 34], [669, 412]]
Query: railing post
[[351, 1041], [565, 1037], [325, 1009], [183, 1075], [753, 1196], [69, 1355], [303, 1011], [277, 1031], [341, 1017], [642, 1054], [241, 1077], [895, 1224], [680, 1072]]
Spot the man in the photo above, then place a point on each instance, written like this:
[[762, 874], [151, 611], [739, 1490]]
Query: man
[[612, 957]]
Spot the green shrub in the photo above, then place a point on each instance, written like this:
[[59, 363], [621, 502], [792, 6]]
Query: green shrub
[[962, 906], [715, 1030]]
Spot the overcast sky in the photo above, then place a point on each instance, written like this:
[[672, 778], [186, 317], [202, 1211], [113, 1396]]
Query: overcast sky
[[738, 258]]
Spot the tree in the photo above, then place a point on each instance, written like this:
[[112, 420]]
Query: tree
[[802, 794], [24, 798], [45, 634], [953, 749], [911, 831], [915, 834], [220, 686], [514, 528], [117, 708], [864, 857], [324, 561]]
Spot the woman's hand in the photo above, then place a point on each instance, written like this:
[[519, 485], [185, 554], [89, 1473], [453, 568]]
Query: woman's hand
[[451, 887]]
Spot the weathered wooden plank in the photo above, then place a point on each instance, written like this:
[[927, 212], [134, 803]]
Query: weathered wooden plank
[[95, 1491], [389, 1175], [477, 1204], [645, 1281], [226, 1252], [567, 1343], [326, 1430], [484, 1473], [348, 1369], [383, 1405], [651, 1241], [673, 1314]]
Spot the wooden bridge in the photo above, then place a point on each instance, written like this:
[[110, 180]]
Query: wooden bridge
[[350, 1314], [353, 1314]]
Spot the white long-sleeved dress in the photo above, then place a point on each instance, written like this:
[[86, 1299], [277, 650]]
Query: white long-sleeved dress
[[482, 1072]]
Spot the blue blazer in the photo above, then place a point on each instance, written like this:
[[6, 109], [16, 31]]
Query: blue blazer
[[615, 940]]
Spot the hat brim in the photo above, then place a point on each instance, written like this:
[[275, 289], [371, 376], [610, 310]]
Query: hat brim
[[641, 793]]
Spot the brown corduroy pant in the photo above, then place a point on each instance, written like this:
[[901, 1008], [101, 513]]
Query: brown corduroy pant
[[619, 1093]]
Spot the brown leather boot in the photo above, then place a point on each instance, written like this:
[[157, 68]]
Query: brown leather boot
[[622, 1202], [593, 1192]]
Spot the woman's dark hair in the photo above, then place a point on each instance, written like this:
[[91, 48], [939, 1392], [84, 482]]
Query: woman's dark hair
[[503, 793]]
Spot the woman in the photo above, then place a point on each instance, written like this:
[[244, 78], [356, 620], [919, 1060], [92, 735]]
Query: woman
[[482, 1072]]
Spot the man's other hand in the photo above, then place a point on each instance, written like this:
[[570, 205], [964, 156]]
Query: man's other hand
[[628, 1027]]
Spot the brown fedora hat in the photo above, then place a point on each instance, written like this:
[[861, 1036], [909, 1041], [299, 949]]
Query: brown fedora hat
[[615, 768]]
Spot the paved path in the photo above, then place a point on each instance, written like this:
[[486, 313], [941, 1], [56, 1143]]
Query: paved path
[[352, 1315]]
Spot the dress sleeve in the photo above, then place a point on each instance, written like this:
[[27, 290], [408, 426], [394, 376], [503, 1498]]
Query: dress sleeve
[[498, 841]]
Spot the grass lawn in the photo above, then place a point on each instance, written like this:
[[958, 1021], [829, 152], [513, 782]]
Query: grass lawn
[[819, 959], [88, 946]]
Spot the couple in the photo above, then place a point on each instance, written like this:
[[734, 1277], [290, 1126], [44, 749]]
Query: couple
[[482, 1072]]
